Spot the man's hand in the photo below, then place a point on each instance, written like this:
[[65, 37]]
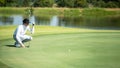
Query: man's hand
[[22, 45], [33, 24]]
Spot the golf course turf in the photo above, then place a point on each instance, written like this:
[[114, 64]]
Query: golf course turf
[[59, 47]]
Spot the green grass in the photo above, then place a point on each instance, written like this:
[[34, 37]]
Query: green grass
[[58, 47], [68, 12]]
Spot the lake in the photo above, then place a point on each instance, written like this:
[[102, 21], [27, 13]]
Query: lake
[[105, 22]]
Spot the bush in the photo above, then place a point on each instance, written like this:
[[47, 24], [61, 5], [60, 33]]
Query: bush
[[81, 3], [111, 5], [101, 3]]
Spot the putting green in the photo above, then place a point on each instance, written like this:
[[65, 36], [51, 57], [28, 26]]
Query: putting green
[[76, 50]]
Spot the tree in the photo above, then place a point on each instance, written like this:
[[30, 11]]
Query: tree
[[72, 3], [100, 3], [81, 3], [69, 3], [44, 3], [26, 3], [111, 4], [105, 3], [61, 3], [2, 2]]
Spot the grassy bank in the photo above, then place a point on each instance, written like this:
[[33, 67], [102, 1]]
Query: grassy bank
[[58, 47], [61, 11], [11, 11], [100, 12]]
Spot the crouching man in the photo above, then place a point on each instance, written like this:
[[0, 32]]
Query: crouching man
[[20, 33]]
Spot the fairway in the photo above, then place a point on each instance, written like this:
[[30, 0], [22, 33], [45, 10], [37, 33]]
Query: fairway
[[73, 50]]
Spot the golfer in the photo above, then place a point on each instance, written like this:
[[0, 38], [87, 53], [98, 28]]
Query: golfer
[[20, 34]]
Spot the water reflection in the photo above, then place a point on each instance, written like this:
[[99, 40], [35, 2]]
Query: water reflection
[[17, 20], [32, 19], [54, 21], [107, 22], [42, 20], [4, 20]]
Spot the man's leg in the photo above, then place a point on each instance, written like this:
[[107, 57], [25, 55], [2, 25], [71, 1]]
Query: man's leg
[[27, 38], [16, 42]]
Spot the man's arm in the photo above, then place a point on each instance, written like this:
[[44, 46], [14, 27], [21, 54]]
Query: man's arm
[[31, 29], [22, 45]]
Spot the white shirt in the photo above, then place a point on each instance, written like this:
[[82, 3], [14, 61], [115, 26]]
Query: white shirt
[[21, 31]]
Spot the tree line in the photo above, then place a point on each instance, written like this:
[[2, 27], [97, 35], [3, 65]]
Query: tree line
[[61, 3]]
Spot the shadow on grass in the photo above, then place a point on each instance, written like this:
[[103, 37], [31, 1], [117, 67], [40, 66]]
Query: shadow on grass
[[10, 45], [2, 65]]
